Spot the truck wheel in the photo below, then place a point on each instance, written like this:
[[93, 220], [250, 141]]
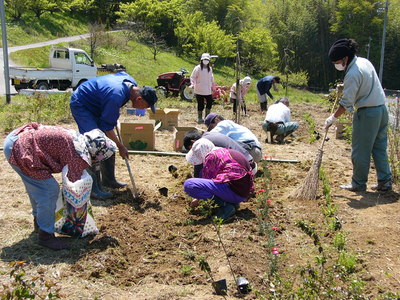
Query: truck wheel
[[79, 83], [187, 93], [42, 85]]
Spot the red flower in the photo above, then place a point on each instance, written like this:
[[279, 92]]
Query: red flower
[[275, 228], [269, 203], [261, 190]]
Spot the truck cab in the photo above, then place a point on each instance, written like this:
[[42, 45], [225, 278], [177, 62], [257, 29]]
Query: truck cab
[[77, 60]]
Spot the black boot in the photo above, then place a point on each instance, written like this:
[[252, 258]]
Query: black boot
[[35, 225], [49, 240], [97, 191], [200, 119], [108, 174], [264, 106]]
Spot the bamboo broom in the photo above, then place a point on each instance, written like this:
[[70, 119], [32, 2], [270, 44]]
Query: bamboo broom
[[309, 188]]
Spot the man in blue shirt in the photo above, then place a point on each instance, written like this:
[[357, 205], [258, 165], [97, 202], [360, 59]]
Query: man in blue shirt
[[96, 104], [263, 88]]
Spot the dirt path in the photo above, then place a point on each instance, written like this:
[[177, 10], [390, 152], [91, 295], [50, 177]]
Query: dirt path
[[146, 249]]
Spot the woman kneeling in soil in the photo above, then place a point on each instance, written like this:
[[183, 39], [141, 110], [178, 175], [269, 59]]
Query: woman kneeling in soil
[[37, 151], [227, 177]]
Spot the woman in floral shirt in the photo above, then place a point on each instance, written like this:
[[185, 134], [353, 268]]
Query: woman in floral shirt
[[37, 151]]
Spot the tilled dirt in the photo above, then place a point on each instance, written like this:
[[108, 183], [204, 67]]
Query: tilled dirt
[[148, 248]]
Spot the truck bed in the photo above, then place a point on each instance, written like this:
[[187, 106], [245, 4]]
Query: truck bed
[[35, 73]]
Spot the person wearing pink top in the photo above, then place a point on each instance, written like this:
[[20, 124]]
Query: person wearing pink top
[[202, 80]]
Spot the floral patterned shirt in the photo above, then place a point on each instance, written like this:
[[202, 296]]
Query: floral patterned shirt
[[229, 166], [42, 150]]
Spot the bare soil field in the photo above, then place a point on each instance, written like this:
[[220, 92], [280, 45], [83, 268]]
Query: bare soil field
[[147, 248]]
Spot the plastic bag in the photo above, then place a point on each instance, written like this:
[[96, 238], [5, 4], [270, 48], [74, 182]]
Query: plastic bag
[[74, 215]]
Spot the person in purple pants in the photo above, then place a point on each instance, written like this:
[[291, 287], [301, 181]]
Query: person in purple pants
[[226, 177]]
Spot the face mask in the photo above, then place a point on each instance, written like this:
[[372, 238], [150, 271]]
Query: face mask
[[205, 62], [340, 67]]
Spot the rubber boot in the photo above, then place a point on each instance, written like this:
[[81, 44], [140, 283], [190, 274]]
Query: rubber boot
[[207, 112], [200, 119], [108, 174], [49, 240], [97, 192], [225, 210], [264, 106]]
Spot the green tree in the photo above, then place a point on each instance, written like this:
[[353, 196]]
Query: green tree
[[161, 17], [361, 20], [391, 70], [196, 35], [39, 7], [258, 50], [16, 9]]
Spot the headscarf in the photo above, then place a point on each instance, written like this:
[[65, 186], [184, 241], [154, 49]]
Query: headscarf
[[93, 146], [199, 151], [342, 48]]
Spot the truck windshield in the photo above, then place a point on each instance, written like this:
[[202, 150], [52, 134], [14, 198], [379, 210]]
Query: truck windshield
[[82, 58]]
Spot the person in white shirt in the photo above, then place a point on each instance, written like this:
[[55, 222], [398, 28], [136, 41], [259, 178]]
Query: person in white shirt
[[278, 120], [202, 80]]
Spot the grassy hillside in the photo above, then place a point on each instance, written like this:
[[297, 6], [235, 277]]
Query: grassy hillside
[[139, 62], [49, 26]]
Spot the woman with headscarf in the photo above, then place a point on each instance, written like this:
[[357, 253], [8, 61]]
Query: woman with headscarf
[[244, 85], [362, 91], [227, 177], [202, 80], [37, 151]]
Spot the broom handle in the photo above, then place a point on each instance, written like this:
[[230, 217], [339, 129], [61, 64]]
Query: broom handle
[[333, 108]]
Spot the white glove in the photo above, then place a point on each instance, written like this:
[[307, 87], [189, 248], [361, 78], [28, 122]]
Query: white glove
[[329, 121]]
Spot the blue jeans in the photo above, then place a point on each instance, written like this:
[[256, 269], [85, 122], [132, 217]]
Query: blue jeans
[[370, 126], [43, 193], [201, 188]]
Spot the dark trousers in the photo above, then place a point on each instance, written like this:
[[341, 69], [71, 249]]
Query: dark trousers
[[201, 99]]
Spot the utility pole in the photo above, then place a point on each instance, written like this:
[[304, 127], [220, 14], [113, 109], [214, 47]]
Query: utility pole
[[5, 51], [383, 42]]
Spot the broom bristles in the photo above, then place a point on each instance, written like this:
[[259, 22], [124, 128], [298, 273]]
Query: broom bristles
[[309, 188]]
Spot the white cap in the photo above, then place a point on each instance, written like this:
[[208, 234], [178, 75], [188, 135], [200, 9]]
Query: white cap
[[205, 56], [247, 80]]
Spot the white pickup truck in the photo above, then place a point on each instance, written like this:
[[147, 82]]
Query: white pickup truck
[[69, 67]]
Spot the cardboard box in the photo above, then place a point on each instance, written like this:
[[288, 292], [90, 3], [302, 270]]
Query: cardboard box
[[168, 117], [138, 135], [179, 133]]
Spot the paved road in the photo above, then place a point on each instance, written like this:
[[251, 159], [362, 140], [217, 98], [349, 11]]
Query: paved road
[[36, 45]]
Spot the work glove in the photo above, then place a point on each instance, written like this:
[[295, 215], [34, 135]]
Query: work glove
[[329, 121]]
